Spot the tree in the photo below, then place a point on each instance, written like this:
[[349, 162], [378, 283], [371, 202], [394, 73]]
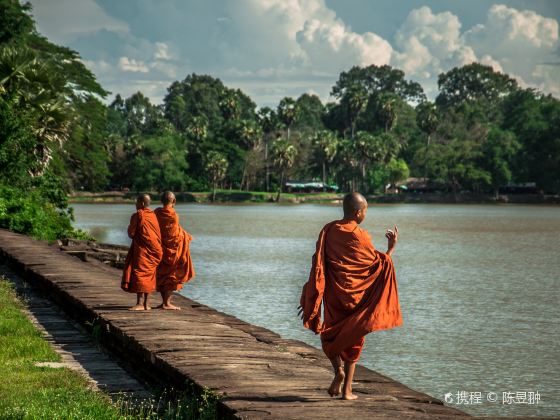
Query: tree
[[326, 143], [284, 156], [387, 110], [535, 120], [86, 153], [287, 112], [427, 119], [371, 148], [476, 88], [37, 90], [309, 114], [397, 170], [216, 166], [499, 151], [270, 124]]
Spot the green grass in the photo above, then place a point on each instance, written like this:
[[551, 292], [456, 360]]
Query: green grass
[[31, 392]]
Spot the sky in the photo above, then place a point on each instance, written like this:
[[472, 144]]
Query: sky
[[276, 48]]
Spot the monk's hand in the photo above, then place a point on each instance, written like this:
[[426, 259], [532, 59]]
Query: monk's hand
[[392, 238]]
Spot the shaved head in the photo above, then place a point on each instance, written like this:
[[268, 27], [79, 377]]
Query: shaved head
[[167, 198], [144, 199], [353, 202]]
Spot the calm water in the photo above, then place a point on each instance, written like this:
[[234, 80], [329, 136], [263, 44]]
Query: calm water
[[478, 287]]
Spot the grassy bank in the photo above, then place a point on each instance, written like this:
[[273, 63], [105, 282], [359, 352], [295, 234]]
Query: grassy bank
[[29, 391]]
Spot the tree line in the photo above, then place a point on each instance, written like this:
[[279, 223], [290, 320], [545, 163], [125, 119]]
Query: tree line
[[481, 132]]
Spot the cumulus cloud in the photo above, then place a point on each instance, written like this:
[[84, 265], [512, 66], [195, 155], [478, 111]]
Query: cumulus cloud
[[519, 40], [275, 48], [510, 41]]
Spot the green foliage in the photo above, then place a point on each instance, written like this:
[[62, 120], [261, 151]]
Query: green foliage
[[31, 213], [476, 89], [28, 391], [483, 131]]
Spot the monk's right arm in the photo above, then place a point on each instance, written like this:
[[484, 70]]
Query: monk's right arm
[[392, 237], [133, 226]]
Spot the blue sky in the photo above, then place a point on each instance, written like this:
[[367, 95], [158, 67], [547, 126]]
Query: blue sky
[[276, 48]]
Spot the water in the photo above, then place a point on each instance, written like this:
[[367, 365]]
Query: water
[[478, 288]]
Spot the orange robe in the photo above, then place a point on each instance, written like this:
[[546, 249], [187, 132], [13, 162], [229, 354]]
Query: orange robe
[[176, 267], [144, 255], [357, 285]]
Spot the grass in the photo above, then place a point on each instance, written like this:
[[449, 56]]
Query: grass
[[31, 392]]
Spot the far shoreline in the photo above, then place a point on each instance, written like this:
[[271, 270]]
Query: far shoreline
[[229, 197]]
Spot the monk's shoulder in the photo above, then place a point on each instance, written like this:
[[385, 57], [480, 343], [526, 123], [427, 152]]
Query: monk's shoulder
[[363, 237]]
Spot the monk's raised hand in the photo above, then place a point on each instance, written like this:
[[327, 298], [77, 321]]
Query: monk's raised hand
[[392, 237]]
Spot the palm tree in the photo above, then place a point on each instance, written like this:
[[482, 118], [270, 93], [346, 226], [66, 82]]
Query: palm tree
[[36, 88], [216, 166], [427, 120], [326, 142], [198, 128], [387, 111], [368, 148], [287, 111], [356, 98], [250, 133], [284, 157]]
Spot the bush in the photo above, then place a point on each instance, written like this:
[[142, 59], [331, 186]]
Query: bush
[[31, 213]]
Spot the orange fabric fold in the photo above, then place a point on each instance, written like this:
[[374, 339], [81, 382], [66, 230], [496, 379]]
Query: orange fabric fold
[[357, 285], [144, 254], [176, 267]]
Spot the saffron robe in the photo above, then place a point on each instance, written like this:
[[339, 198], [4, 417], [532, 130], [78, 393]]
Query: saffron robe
[[144, 254], [357, 285], [176, 267]]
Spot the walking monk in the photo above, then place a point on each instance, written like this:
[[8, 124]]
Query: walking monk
[[144, 255], [358, 287], [176, 267]]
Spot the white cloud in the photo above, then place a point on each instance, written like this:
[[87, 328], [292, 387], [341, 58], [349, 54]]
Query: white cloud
[[273, 48], [71, 18], [130, 64], [510, 41], [332, 45], [162, 51], [519, 41]]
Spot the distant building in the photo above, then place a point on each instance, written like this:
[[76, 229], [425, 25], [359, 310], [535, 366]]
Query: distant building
[[309, 187], [519, 188], [418, 185]]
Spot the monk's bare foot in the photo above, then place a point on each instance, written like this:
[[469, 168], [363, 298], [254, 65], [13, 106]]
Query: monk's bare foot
[[349, 396], [147, 308], [137, 307], [170, 307], [336, 385]]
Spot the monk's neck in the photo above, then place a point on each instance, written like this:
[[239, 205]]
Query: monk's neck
[[346, 221]]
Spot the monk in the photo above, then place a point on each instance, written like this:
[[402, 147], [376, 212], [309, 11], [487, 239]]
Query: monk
[[357, 285], [176, 267], [144, 255]]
